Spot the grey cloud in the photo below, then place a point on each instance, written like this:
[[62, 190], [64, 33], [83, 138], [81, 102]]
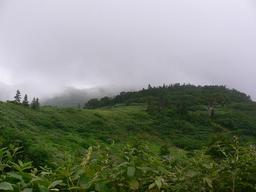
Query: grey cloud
[[47, 45]]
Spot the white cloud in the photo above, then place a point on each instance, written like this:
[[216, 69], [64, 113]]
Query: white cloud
[[48, 45]]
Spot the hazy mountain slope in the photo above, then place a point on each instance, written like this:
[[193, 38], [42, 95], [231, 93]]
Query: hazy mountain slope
[[72, 97], [52, 130]]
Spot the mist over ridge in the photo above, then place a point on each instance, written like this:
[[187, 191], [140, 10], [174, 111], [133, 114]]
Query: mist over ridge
[[47, 46]]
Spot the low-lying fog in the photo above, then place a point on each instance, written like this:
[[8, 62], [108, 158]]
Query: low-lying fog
[[63, 47]]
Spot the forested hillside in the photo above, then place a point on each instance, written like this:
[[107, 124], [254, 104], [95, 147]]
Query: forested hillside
[[168, 138], [169, 95]]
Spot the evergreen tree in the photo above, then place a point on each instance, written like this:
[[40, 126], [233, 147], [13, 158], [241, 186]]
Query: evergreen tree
[[33, 103], [37, 103], [92, 104], [25, 101], [17, 97]]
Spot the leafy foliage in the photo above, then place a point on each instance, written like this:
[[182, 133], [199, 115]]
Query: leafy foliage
[[134, 168]]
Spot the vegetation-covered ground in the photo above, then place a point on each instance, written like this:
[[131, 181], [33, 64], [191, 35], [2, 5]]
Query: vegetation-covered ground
[[170, 138]]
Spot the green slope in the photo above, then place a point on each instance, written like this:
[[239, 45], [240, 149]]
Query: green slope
[[160, 139], [53, 131]]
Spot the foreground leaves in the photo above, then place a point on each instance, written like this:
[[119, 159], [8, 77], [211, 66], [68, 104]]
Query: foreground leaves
[[135, 168]]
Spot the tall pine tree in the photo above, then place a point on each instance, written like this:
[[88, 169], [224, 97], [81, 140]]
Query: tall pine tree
[[33, 103], [17, 97], [25, 101], [37, 103]]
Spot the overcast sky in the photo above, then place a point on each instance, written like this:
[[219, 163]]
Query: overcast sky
[[47, 45]]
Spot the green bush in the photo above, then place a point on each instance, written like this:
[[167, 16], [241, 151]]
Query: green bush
[[135, 168]]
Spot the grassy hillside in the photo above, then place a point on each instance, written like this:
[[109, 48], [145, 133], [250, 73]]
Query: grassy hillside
[[53, 130], [183, 123], [148, 140]]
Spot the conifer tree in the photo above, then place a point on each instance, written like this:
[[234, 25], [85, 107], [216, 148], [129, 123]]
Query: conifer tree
[[37, 103], [33, 103], [25, 101], [17, 97]]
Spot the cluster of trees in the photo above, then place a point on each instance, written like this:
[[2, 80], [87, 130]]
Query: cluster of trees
[[179, 96], [96, 103], [162, 103], [25, 102]]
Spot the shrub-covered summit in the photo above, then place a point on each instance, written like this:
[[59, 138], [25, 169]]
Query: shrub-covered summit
[[191, 94]]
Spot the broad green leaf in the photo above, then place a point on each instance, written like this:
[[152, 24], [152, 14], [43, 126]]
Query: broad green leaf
[[15, 176], [43, 188], [55, 183], [152, 185], [27, 190], [208, 182], [158, 182], [130, 171], [5, 186]]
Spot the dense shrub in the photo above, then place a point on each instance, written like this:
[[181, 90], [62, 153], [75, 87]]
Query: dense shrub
[[135, 168]]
